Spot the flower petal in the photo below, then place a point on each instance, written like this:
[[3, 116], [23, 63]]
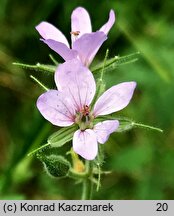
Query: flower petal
[[107, 26], [48, 31], [80, 21], [60, 48], [77, 81], [85, 144], [56, 108], [104, 129], [114, 99], [88, 45]]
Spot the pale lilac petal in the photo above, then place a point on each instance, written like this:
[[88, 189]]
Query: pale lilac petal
[[107, 26], [80, 21], [85, 144], [48, 31], [114, 99], [56, 108], [104, 129], [78, 81], [60, 48], [88, 45]]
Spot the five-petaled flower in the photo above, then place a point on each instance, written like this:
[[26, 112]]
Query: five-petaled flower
[[70, 104], [85, 43]]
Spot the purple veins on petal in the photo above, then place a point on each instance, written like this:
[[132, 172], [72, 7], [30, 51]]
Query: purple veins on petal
[[114, 99], [56, 107], [48, 31], [77, 81], [104, 129], [88, 45], [85, 43], [85, 144]]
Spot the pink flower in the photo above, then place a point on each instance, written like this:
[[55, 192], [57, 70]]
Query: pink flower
[[85, 43], [70, 104]]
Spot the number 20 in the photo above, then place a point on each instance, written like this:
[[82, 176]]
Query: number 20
[[162, 207]]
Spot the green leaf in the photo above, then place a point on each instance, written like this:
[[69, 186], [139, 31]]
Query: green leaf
[[38, 67], [62, 136], [55, 165], [41, 148], [116, 61], [47, 151]]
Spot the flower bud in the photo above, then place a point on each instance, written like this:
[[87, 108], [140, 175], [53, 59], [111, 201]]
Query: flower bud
[[56, 166]]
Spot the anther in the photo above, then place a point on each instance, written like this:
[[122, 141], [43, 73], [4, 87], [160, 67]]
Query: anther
[[75, 33]]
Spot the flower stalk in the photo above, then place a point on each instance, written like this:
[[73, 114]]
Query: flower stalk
[[87, 188]]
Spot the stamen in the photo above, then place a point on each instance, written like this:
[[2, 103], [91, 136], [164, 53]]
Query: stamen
[[75, 33], [84, 118], [85, 111]]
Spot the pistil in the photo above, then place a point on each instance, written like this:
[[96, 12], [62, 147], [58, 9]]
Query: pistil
[[84, 118]]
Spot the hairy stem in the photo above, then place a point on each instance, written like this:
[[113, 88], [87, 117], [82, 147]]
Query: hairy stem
[[87, 183]]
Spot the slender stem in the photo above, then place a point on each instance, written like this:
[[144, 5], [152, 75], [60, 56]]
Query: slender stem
[[87, 183], [86, 193], [77, 175], [99, 177]]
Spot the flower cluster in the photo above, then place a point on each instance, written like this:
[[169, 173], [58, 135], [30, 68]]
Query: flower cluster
[[85, 43], [71, 102]]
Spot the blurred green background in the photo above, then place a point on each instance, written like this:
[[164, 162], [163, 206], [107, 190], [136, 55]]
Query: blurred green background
[[142, 161]]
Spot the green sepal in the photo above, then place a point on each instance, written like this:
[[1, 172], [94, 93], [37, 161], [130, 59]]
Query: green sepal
[[38, 67], [55, 165], [57, 139], [99, 160], [62, 136], [100, 88], [43, 86], [116, 61], [126, 124], [53, 60]]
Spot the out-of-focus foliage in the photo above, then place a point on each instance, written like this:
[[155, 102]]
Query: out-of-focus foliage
[[141, 161]]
